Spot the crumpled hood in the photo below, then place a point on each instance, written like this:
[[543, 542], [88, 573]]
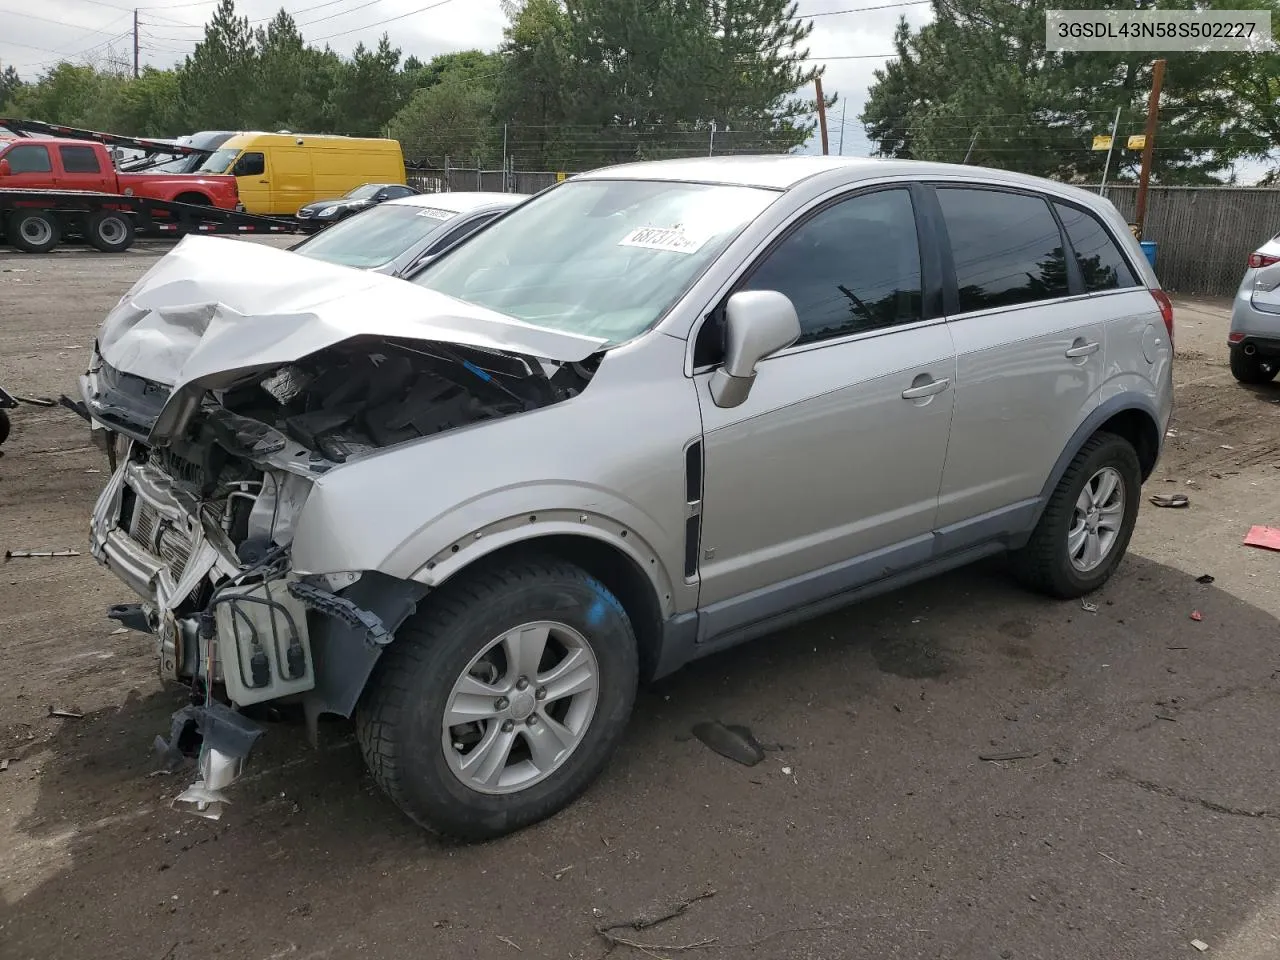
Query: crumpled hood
[[214, 307]]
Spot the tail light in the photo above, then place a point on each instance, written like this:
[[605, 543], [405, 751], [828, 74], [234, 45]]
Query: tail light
[[1262, 260], [1166, 310]]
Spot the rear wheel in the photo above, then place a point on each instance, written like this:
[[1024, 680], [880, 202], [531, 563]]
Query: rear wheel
[[502, 699], [1085, 528], [4, 425], [1252, 369], [110, 231], [34, 231]]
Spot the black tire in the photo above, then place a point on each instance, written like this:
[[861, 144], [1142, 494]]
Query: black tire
[[1044, 563], [110, 231], [399, 721], [4, 425], [34, 231], [1251, 369]]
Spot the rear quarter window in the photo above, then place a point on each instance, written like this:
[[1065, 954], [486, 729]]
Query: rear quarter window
[[80, 160], [1102, 265]]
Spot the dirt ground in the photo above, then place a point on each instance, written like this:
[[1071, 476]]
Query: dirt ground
[[1141, 816]]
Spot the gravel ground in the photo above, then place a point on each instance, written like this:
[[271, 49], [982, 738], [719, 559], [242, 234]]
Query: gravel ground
[[1142, 815]]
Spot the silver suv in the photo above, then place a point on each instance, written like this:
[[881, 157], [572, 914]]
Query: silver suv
[[1254, 340], [654, 412]]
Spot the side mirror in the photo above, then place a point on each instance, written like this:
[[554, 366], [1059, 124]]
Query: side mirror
[[379, 197], [5, 169], [758, 323]]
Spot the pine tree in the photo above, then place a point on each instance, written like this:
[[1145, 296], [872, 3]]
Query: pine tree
[[218, 81]]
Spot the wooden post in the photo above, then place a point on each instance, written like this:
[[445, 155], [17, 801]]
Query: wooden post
[[822, 114], [1153, 113]]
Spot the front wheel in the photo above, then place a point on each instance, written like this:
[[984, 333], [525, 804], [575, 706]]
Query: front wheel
[[4, 425], [1252, 369], [502, 699], [34, 231], [1085, 528]]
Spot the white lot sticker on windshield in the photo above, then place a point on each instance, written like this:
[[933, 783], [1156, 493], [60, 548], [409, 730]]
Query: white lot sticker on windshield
[[435, 214], [673, 239]]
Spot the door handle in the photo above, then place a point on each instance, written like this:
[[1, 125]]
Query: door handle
[[932, 388], [264, 181], [1082, 348]]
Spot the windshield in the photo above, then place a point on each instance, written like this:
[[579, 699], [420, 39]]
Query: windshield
[[220, 161], [374, 237], [362, 193], [602, 258]]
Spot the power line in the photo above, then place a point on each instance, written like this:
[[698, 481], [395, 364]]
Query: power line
[[378, 23], [882, 6]]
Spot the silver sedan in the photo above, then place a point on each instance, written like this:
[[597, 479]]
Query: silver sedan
[[399, 236]]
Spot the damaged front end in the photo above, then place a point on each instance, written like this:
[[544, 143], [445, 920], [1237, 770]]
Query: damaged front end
[[214, 473]]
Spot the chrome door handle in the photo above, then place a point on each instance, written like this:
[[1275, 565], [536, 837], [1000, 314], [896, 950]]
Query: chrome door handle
[[932, 388], [1082, 349]]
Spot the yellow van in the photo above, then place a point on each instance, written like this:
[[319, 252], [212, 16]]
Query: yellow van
[[277, 173]]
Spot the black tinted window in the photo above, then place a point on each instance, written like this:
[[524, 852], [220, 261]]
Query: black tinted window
[[1006, 247], [853, 267], [29, 158], [250, 165], [79, 160], [1101, 263], [395, 193]]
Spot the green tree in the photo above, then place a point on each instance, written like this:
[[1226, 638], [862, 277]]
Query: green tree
[[978, 82], [147, 106], [532, 89], [218, 81], [78, 96], [449, 119], [10, 84], [368, 91]]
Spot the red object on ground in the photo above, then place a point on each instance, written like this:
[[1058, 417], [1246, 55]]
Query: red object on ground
[[1266, 537], [1197, 615]]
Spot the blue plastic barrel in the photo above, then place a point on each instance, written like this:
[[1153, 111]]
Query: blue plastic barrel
[[1149, 251]]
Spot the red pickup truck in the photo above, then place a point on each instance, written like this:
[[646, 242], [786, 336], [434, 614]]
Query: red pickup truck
[[56, 164]]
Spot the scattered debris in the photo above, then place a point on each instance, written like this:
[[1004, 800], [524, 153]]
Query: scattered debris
[[36, 401], [1197, 616], [119, 630], [24, 554], [1161, 716], [1205, 578], [1088, 607], [1268, 538], [561, 872], [1225, 446], [733, 742], [606, 930], [1175, 500], [64, 713], [511, 943], [1111, 858], [1177, 648], [1200, 945], [4, 764], [1013, 755]]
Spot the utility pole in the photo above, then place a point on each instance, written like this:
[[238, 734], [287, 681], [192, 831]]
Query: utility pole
[[968, 153], [1106, 167], [844, 110], [505, 176], [1153, 114], [135, 43], [822, 114], [711, 147]]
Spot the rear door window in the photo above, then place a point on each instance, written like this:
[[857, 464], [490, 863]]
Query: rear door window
[[1102, 264], [80, 160], [29, 158], [1006, 248]]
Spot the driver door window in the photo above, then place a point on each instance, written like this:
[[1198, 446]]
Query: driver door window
[[250, 165]]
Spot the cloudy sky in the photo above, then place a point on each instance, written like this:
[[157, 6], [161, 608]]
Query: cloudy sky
[[846, 40]]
